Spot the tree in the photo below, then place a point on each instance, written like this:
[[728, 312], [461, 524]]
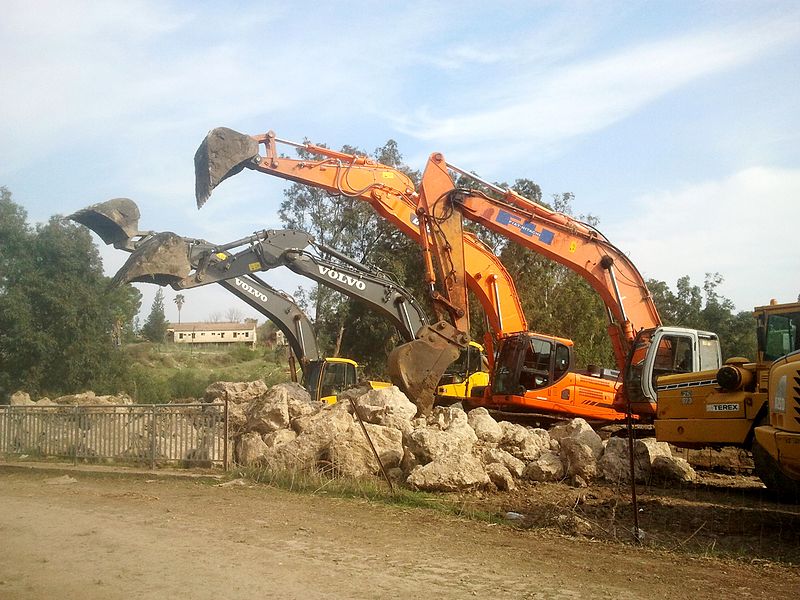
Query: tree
[[58, 313], [179, 300], [155, 327], [352, 227], [233, 315], [704, 308]]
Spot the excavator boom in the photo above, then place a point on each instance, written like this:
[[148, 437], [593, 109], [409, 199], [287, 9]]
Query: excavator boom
[[454, 258], [182, 263], [389, 191]]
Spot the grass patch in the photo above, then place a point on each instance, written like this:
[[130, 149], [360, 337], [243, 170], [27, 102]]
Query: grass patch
[[373, 490], [160, 373]]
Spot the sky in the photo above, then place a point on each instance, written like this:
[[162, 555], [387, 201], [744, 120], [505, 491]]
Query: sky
[[675, 123]]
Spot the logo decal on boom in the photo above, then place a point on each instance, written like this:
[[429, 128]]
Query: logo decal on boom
[[342, 277], [250, 290], [526, 227]]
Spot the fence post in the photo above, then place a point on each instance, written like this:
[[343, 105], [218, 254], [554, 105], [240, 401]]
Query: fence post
[[75, 436], [225, 443], [153, 438]]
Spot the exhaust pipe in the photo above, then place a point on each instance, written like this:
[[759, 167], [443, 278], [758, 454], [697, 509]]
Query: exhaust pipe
[[224, 152], [115, 221], [162, 259]]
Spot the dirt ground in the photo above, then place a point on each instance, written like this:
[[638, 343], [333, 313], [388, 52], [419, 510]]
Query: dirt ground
[[123, 535]]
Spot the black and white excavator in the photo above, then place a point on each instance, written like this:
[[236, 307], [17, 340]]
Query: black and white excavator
[[165, 258]]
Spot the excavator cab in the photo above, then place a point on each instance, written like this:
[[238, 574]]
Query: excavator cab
[[466, 375], [778, 330], [663, 351], [528, 363], [325, 379]]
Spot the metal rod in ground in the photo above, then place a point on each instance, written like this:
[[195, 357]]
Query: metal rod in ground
[[629, 420], [371, 445]]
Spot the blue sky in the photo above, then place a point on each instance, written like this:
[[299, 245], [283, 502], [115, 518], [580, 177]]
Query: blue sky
[[675, 123]]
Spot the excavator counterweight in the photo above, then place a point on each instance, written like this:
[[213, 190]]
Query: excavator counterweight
[[223, 152]]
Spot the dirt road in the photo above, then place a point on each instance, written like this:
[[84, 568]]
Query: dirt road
[[121, 536]]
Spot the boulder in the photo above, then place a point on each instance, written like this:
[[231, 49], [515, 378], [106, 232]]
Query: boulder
[[235, 392], [449, 418], [547, 467], [524, 443], [501, 477], [350, 454], [388, 442], [309, 450], [302, 454], [386, 406], [428, 444], [486, 428], [578, 458], [21, 399], [513, 434], [331, 420], [270, 412], [495, 455], [281, 436], [237, 419], [614, 464], [449, 474], [650, 449], [580, 430], [673, 469]]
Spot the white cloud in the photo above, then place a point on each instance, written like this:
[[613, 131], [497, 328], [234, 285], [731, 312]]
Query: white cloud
[[743, 226], [540, 109]]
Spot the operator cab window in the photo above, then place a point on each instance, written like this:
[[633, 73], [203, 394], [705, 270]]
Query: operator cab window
[[535, 372], [673, 355]]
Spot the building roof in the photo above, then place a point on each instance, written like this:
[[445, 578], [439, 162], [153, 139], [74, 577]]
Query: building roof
[[211, 326]]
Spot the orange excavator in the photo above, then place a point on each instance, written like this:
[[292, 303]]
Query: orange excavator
[[644, 349], [536, 372]]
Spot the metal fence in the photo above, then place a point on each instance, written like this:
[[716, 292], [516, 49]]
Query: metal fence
[[188, 434]]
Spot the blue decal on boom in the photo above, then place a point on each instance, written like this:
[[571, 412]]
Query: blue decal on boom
[[526, 227]]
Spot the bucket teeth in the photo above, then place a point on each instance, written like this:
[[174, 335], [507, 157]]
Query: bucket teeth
[[163, 259], [224, 152], [115, 221]]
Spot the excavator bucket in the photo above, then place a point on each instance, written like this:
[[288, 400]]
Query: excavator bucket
[[224, 152], [417, 366], [163, 259], [115, 221]]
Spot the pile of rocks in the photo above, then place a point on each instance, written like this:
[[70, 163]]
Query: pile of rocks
[[83, 399], [281, 428]]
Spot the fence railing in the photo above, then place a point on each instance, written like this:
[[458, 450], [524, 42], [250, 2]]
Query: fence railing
[[189, 434]]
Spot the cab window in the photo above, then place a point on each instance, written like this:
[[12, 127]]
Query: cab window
[[336, 378], [782, 335], [562, 361], [535, 372]]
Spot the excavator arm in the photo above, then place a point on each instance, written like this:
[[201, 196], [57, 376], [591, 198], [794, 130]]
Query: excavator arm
[[557, 236], [390, 192], [644, 349], [168, 259]]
